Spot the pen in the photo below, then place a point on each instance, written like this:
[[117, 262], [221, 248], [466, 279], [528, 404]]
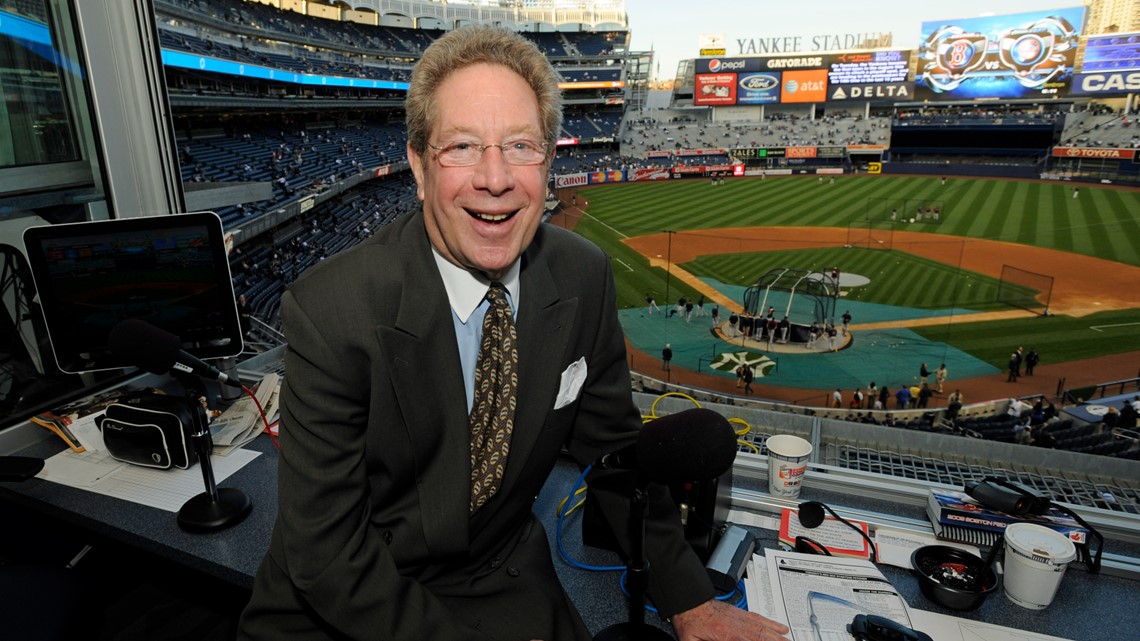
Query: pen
[[75, 560]]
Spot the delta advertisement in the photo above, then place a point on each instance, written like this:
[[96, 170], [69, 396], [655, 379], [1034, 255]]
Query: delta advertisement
[[759, 80], [1111, 65], [1024, 55]]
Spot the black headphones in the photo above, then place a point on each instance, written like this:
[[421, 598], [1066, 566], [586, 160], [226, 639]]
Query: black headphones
[[811, 516]]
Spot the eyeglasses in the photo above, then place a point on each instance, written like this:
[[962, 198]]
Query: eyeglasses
[[515, 152]]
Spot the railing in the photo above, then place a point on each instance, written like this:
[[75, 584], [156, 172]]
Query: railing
[[1077, 395]]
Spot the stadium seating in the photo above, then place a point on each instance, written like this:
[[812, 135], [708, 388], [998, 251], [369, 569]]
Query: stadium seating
[[330, 148], [646, 131]]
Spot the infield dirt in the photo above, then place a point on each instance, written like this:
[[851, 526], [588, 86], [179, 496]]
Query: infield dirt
[[1083, 285]]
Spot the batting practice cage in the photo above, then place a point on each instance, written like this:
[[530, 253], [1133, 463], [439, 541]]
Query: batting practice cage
[[807, 298], [1025, 289], [905, 211]]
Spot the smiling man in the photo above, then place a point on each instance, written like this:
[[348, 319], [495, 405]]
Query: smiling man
[[403, 515]]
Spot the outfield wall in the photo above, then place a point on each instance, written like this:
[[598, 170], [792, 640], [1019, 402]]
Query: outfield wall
[[1024, 172]]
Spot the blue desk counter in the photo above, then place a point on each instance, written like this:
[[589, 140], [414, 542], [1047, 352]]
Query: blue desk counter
[[1087, 607]]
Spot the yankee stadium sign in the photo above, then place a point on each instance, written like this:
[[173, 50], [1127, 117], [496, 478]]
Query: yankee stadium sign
[[822, 42]]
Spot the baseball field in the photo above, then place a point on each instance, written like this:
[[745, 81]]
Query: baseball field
[[960, 269]]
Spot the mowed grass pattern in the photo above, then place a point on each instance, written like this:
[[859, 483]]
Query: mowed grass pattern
[[1101, 222], [897, 278]]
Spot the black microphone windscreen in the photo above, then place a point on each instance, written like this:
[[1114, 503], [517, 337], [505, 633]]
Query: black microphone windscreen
[[693, 445], [144, 345], [811, 514]]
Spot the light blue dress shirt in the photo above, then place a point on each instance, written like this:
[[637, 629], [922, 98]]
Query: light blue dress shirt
[[467, 295]]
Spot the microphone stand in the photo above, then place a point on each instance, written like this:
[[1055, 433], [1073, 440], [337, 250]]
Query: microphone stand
[[215, 509], [637, 571]]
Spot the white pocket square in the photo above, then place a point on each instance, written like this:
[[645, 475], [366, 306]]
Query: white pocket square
[[571, 383]]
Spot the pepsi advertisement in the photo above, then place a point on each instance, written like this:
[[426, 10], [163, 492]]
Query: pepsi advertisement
[[1025, 55]]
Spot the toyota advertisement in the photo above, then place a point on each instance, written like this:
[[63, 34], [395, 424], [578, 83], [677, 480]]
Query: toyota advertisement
[[1024, 55], [759, 80]]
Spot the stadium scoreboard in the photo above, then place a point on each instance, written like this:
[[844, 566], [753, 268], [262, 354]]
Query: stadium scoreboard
[[1111, 65], [868, 68], [804, 78], [1024, 55]]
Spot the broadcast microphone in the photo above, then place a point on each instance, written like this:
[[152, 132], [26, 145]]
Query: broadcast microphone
[[158, 352], [694, 445]]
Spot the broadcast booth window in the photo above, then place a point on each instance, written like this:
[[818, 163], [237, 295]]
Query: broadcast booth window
[[169, 271]]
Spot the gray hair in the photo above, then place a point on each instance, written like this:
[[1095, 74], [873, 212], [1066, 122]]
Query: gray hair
[[473, 44]]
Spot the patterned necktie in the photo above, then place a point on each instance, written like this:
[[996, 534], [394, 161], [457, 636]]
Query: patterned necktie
[[496, 390]]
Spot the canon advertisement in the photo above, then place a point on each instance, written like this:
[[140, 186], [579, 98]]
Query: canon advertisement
[[758, 80], [1111, 65], [1025, 55], [591, 178]]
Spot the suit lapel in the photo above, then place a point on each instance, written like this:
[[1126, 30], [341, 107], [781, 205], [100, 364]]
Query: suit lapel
[[544, 324], [433, 401], [424, 365]]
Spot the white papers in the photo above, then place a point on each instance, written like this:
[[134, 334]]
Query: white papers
[[86, 429], [242, 422], [759, 590], [817, 596], [895, 547], [754, 519], [163, 489], [943, 627]]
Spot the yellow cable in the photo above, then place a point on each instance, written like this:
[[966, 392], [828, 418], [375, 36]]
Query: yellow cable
[[645, 418], [576, 506], [565, 500], [653, 408], [751, 446]]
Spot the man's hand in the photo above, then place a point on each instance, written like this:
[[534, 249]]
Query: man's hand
[[718, 621]]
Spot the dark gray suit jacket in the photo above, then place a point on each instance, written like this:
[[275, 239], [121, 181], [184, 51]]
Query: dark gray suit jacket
[[373, 538]]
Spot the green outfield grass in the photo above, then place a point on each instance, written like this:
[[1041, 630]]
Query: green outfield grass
[[1101, 222], [1057, 338], [897, 278]]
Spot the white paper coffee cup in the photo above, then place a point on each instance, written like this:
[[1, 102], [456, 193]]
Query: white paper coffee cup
[[1035, 561], [787, 460]]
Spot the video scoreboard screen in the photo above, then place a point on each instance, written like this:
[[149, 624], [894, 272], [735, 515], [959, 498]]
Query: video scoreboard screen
[[1111, 65], [1117, 52], [868, 76], [869, 67], [1025, 55]]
